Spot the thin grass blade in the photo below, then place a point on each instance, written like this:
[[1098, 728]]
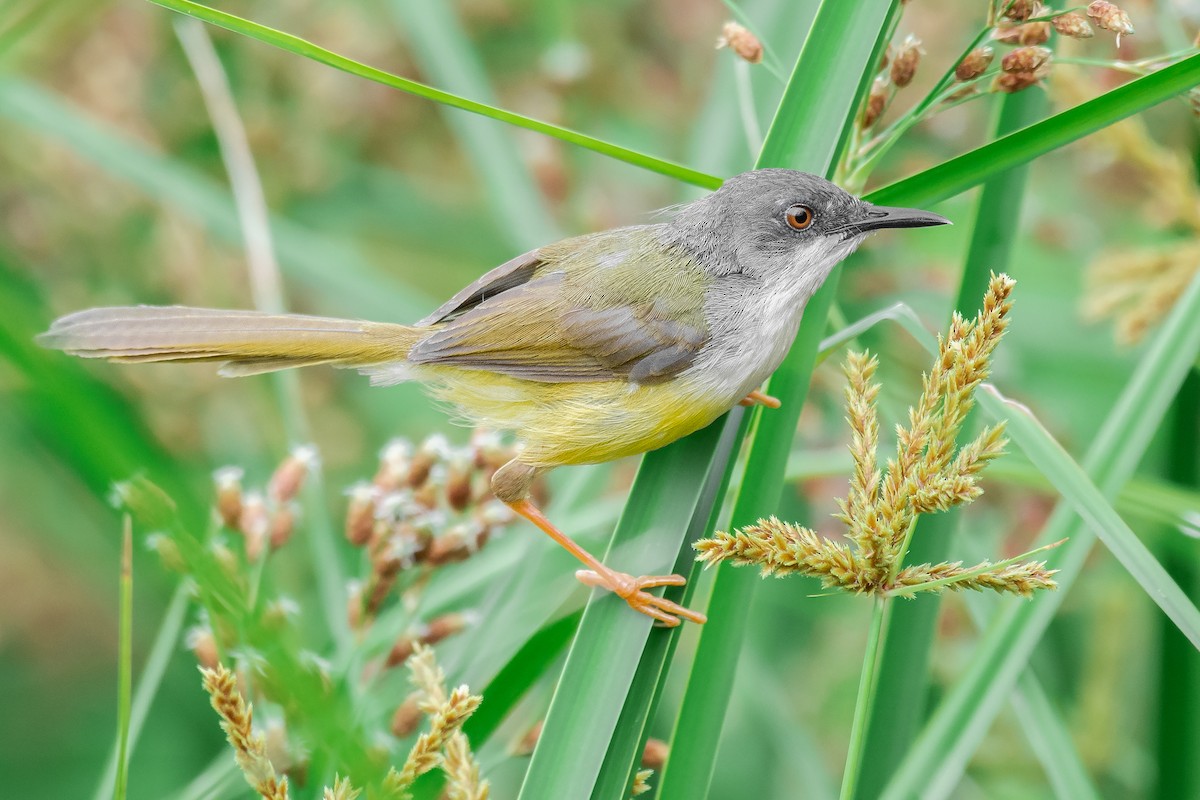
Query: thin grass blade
[[302, 47], [959, 174], [1091, 505]]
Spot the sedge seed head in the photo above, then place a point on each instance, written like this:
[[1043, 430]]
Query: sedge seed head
[[975, 64], [741, 41], [1074, 25]]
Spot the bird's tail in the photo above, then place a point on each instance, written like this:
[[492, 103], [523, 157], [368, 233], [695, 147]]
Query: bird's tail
[[248, 342]]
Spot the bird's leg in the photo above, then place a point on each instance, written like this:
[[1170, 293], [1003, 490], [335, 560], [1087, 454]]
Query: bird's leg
[[514, 477], [758, 397]]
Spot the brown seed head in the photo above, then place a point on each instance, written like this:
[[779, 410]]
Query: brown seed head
[[1028, 34], [393, 465], [408, 716], [904, 65], [283, 525], [654, 754], [360, 514], [975, 64], [289, 477], [1020, 10], [1074, 25], [1110, 17], [458, 483], [228, 481], [203, 644], [1025, 59], [254, 524], [741, 41], [876, 102], [1013, 82]]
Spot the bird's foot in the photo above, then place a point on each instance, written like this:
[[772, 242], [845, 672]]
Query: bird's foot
[[758, 397], [633, 591]]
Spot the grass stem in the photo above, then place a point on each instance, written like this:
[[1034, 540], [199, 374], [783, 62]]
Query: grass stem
[[867, 684]]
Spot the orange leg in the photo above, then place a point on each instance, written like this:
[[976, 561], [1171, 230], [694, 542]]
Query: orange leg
[[627, 587], [758, 397]]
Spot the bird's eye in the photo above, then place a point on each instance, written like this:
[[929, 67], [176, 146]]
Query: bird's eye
[[799, 217]]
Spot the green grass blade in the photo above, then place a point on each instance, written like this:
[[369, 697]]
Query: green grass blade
[[1048, 736], [604, 656], [938, 757], [1090, 504], [443, 52], [302, 47], [625, 749], [125, 669], [961, 173], [165, 643], [903, 673], [807, 131]]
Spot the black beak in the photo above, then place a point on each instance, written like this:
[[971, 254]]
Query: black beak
[[879, 217]]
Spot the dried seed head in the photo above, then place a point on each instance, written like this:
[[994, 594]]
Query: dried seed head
[[1027, 34], [904, 65], [529, 741], [975, 64], [458, 483], [654, 754], [1074, 25], [286, 482], [254, 524], [283, 525], [1025, 59], [407, 717], [434, 450], [741, 41], [393, 465], [203, 644], [360, 514], [1020, 10], [876, 102], [228, 481], [1013, 82], [1110, 17]]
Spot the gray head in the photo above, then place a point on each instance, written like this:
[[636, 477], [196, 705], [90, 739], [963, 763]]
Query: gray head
[[769, 221]]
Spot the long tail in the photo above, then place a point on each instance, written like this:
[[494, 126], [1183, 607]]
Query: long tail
[[248, 342]]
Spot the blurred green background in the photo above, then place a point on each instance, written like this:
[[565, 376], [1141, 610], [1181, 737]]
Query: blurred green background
[[112, 191]]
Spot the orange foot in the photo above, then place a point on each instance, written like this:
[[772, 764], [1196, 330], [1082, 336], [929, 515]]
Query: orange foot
[[632, 591], [758, 397]]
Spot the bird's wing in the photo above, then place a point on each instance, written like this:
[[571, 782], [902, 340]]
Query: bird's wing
[[557, 317]]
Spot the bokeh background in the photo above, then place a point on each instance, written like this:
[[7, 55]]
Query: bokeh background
[[112, 191]]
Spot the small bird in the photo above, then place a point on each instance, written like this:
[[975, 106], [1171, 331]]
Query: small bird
[[589, 349]]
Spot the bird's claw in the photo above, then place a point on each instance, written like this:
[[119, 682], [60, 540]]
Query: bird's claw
[[633, 591]]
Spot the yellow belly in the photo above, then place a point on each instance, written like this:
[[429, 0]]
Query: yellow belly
[[575, 423]]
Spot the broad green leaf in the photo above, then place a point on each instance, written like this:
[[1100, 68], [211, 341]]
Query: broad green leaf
[[809, 127]]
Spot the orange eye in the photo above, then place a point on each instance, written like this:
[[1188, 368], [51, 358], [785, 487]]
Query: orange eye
[[799, 217]]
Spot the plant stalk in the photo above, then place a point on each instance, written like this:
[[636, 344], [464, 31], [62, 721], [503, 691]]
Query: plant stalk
[[868, 682]]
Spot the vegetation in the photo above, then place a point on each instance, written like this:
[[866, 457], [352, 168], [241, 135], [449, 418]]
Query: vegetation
[[171, 152]]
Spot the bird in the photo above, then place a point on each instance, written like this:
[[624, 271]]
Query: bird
[[587, 350]]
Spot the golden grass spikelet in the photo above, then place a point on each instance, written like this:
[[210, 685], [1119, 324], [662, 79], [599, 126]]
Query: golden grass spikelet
[[342, 789], [641, 783], [1021, 579], [447, 713], [236, 720], [462, 771], [929, 473]]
